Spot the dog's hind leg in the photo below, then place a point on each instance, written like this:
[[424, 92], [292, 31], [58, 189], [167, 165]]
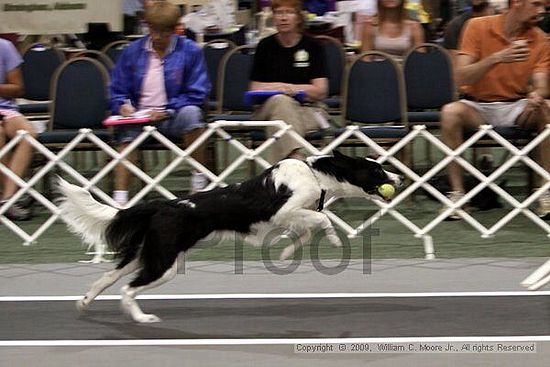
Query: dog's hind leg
[[107, 280], [143, 282]]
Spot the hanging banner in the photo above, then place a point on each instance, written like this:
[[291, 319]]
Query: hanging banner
[[57, 17]]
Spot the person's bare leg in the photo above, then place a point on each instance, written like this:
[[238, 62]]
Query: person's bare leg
[[455, 117], [122, 175], [6, 158], [538, 121], [22, 154]]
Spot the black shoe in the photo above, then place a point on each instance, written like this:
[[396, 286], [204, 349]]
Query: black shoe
[[17, 213], [486, 164]]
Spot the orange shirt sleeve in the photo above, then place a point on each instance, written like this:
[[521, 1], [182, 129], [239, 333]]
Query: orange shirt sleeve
[[543, 62], [470, 40]]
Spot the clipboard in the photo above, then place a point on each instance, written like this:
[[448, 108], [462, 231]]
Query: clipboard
[[253, 97], [121, 120]]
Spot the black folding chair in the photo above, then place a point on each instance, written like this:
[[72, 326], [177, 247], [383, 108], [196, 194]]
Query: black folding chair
[[429, 83], [79, 95], [233, 82], [374, 96], [214, 51], [335, 61], [114, 49], [99, 56], [38, 68]]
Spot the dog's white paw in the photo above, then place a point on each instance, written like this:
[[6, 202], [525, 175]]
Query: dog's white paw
[[287, 253], [335, 241], [146, 318], [82, 304]]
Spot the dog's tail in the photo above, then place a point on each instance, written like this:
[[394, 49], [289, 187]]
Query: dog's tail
[[84, 215], [122, 230]]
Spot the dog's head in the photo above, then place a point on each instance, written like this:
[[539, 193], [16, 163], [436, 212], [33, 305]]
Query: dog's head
[[358, 176]]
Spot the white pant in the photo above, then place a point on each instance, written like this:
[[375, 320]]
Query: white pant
[[498, 113]]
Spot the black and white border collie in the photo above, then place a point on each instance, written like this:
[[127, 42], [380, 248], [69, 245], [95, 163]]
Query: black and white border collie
[[150, 236]]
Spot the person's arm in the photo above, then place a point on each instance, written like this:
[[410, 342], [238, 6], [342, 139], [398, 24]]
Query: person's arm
[[536, 98], [255, 85], [119, 88], [540, 84], [469, 70], [367, 38], [13, 87], [417, 34], [315, 91], [196, 84]]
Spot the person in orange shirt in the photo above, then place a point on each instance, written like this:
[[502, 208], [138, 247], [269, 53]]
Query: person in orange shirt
[[502, 67]]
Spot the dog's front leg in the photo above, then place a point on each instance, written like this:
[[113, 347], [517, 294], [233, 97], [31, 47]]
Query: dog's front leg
[[303, 220], [289, 251]]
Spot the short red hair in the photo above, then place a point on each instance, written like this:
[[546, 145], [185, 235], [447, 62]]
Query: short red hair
[[296, 4]]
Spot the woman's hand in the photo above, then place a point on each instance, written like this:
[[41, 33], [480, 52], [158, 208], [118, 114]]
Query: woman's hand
[[126, 110], [288, 89], [158, 116]]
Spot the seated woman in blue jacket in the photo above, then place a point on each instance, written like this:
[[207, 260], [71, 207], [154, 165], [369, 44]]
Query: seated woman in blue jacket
[[166, 75]]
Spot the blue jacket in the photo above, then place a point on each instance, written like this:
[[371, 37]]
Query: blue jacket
[[185, 76]]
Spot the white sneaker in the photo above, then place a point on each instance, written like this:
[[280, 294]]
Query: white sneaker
[[199, 181], [543, 210], [121, 198], [454, 196]]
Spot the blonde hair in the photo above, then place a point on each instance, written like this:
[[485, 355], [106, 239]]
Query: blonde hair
[[162, 15]]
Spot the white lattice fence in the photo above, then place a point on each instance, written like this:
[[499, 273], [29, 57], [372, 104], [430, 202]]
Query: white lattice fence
[[221, 129]]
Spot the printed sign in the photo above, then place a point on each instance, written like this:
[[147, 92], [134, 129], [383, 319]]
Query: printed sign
[[57, 17]]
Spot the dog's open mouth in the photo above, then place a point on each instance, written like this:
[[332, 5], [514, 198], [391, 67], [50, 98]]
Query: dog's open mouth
[[375, 193], [385, 199]]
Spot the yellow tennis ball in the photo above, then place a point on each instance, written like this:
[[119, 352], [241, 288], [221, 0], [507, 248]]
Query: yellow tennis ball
[[386, 190]]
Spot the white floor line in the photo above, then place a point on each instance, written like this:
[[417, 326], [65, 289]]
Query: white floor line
[[200, 342], [282, 296]]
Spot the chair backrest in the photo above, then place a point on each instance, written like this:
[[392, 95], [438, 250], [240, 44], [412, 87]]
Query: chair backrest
[[114, 49], [234, 79], [39, 65], [79, 94], [97, 55], [429, 79], [374, 90], [335, 60], [213, 55]]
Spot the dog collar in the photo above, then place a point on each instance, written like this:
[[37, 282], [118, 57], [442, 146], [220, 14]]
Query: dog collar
[[321, 205]]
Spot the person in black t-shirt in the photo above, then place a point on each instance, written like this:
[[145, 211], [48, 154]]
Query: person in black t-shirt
[[290, 62]]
